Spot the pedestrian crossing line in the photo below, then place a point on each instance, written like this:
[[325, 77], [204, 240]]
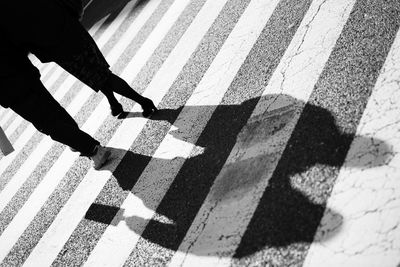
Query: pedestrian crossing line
[[119, 193], [47, 67], [204, 244], [286, 219], [154, 40], [36, 62], [361, 196], [235, 51], [45, 75], [84, 94], [6, 116], [44, 146], [216, 229], [163, 79], [63, 163], [116, 24], [2, 110], [132, 31]]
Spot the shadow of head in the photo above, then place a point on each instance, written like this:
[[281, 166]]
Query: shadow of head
[[287, 150]]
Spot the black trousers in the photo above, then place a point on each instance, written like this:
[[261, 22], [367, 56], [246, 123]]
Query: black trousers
[[40, 108]]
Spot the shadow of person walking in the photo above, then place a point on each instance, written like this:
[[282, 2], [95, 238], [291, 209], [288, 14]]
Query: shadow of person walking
[[294, 158]]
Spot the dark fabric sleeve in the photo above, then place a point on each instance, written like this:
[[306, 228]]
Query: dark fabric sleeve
[[73, 7]]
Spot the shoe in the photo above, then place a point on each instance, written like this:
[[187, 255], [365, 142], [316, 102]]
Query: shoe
[[148, 108], [100, 157], [116, 110]]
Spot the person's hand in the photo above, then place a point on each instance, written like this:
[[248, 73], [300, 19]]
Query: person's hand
[[148, 107]]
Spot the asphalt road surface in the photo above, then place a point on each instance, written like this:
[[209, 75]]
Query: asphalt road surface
[[277, 141]]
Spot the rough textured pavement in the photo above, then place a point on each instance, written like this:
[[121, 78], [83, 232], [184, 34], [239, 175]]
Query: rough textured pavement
[[276, 143]]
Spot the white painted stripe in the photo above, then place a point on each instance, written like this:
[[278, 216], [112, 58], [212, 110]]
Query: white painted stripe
[[153, 41], [63, 88], [6, 117], [113, 27], [56, 74], [226, 213], [367, 196], [132, 31], [2, 112], [18, 145], [37, 155], [46, 69], [93, 30], [14, 125], [50, 181], [118, 241], [24, 171], [34, 60]]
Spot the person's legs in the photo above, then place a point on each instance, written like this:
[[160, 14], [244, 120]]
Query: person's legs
[[50, 118], [91, 68], [119, 86], [115, 106]]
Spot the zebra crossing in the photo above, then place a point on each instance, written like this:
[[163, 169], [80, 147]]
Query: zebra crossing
[[276, 142]]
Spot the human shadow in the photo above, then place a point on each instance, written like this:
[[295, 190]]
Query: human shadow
[[294, 200], [96, 10]]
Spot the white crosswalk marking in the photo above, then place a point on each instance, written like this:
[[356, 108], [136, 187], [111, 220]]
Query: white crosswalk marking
[[163, 47], [367, 198], [230, 216]]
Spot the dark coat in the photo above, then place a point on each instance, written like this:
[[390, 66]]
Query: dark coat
[[16, 72], [45, 27]]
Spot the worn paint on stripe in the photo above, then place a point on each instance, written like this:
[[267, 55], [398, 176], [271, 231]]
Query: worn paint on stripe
[[289, 212], [367, 233], [222, 220]]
